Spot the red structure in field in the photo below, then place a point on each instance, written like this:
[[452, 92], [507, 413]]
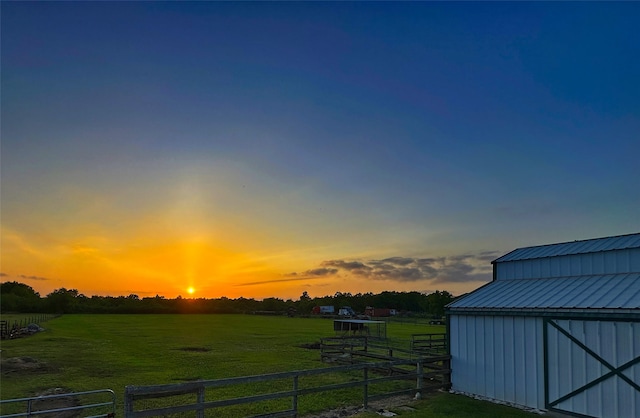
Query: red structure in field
[[379, 312]]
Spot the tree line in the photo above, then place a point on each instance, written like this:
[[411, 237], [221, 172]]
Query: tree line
[[19, 297]]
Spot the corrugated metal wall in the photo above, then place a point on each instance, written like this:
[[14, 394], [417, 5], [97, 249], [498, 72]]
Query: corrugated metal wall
[[607, 262], [500, 357], [570, 367]]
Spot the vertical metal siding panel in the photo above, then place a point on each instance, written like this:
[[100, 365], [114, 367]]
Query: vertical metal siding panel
[[578, 363], [532, 362], [489, 350], [622, 261], [609, 406], [555, 267], [624, 354], [536, 268], [565, 377], [500, 270], [545, 267], [499, 372], [455, 349], [634, 372], [586, 264], [575, 265], [552, 362], [519, 270], [598, 263], [470, 353], [539, 363], [509, 372], [634, 260], [565, 266], [527, 269], [467, 353], [519, 366], [479, 359], [461, 361], [610, 262], [592, 367]]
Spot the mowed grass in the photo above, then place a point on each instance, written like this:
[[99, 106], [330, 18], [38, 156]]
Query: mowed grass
[[91, 352]]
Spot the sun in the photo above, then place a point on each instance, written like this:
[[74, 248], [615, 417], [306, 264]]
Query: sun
[[190, 290]]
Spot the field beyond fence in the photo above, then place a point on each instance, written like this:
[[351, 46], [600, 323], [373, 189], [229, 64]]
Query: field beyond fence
[[79, 353]]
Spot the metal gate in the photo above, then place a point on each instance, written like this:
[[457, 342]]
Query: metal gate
[[94, 403], [592, 366]]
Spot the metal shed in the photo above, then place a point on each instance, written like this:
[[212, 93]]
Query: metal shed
[[557, 329]]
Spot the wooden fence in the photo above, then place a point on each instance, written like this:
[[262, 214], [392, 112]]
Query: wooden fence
[[197, 400], [429, 344], [10, 329]]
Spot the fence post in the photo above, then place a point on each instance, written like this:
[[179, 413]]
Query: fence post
[[419, 372], [446, 377], [365, 401], [128, 404], [294, 401], [200, 413]]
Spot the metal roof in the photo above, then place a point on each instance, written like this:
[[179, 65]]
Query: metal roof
[[606, 291], [575, 247]]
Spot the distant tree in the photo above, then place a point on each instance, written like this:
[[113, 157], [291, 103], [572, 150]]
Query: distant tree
[[19, 297], [62, 300], [304, 305], [274, 304], [437, 301]]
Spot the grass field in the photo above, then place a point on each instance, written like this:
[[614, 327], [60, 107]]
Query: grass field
[[90, 352]]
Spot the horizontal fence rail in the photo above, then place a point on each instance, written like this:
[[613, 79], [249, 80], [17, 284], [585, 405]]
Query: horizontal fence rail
[[429, 344], [102, 403], [198, 388]]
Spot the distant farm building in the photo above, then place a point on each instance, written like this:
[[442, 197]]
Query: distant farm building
[[324, 310], [557, 329], [379, 312]]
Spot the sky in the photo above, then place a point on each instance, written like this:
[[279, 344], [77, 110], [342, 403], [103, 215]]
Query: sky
[[266, 149]]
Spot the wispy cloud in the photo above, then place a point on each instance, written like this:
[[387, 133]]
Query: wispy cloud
[[456, 268], [39, 278], [289, 279]]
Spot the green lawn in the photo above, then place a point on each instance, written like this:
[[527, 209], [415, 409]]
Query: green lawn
[[90, 352]]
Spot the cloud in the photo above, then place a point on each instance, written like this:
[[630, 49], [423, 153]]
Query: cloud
[[25, 277], [456, 268], [292, 279], [3, 274]]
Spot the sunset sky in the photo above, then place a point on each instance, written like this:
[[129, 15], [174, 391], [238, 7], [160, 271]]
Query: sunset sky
[[267, 149]]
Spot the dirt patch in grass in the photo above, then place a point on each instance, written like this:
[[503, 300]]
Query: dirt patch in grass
[[187, 379], [58, 402], [311, 346], [21, 365], [195, 349], [397, 403]]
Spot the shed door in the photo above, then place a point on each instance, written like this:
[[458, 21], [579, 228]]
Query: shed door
[[592, 367]]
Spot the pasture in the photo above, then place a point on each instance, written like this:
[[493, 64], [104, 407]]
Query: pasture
[[90, 352]]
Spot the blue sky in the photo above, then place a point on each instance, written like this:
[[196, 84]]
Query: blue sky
[[265, 149]]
